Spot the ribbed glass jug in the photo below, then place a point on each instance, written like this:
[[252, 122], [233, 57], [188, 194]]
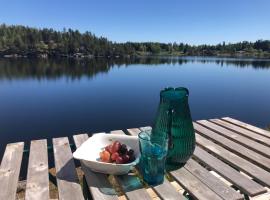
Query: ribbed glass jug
[[173, 120]]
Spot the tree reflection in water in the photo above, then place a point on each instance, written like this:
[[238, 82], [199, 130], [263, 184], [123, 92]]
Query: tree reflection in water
[[76, 68]]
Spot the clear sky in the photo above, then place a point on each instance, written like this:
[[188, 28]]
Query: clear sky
[[189, 21]]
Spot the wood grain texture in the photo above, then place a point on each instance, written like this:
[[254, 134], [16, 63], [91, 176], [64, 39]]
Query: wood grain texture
[[98, 184], [212, 182], [259, 174], [250, 134], [193, 185], [234, 147], [66, 175], [167, 191], [244, 141], [246, 185], [10, 170], [247, 126], [79, 139], [37, 186]]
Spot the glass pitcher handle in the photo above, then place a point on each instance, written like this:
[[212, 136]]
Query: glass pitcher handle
[[170, 143]]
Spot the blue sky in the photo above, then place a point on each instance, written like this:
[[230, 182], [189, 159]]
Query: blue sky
[[189, 21]]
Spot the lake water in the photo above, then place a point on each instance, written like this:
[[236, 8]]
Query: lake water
[[54, 98]]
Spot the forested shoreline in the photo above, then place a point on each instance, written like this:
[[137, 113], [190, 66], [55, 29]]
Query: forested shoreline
[[22, 41]]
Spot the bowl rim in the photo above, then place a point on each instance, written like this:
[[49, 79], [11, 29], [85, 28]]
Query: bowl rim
[[135, 162], [114, 164]]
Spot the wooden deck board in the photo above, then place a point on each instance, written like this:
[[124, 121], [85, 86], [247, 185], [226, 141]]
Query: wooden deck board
[[37, 186], [212, 182], [250, 134], [244, 141], [193, 185], [132, 187], [134, 131], [10, 170], [98, 184], [247, 126], [66, 175], [246, 185], [167, 191], [236, 161], [234, 147], [237, 152]]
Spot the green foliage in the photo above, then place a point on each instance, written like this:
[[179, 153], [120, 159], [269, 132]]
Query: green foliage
[[26, 41]]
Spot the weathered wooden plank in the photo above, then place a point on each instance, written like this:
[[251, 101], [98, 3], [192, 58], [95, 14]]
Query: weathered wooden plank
[[234, 147], [251, 144], [79, 139], [212, 182], [37, 186], [98, 184], [130, 183], [250, 134], [193, 185], [67, 179], [166, 189], [134, 131], [10, 170], [246, 185], [259, 174], [132, 187], [247, 126]]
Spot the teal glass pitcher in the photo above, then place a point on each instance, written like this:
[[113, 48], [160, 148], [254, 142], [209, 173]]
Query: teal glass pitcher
[[173, 120]]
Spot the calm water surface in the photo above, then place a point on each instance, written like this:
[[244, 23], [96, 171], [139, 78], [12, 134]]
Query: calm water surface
[[54, 98]]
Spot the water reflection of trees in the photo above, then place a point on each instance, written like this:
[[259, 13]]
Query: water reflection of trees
[[51, 69]]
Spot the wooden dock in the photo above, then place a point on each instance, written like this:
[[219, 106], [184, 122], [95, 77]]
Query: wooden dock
[[231, 161]]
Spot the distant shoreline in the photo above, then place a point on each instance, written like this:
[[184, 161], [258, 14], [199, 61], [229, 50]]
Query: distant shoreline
[[46, 56], [22, 41]]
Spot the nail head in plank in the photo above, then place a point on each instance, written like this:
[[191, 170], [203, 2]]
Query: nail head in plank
[[10, 170], [234, 147], [246, 185], [234, 160], [98, 184], [212, 182], [247, 126], [250, 134], [193, 185], [67, 179], [37, 186], [251, 144]]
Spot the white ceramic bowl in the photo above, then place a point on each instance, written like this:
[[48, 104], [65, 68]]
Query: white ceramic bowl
[[89, 151]]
